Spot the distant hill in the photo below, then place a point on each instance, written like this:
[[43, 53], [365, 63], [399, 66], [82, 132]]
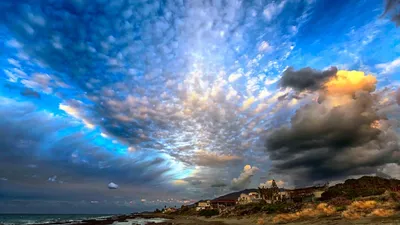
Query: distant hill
[[364, 186], [235, 195]]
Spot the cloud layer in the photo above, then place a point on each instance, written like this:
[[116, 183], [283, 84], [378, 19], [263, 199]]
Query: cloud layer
[[343, 135], [168, 97]]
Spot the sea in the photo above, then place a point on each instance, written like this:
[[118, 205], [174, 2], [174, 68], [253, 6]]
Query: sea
[[19, 219]]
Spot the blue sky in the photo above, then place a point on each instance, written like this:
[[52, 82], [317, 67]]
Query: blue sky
[[176, 101]]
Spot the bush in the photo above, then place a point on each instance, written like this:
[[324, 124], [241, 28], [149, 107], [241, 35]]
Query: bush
[[273, 208], [394, 196], [340, 201], [209, 212], [397, 207], [281, 207], [341, 208], [157, 211]]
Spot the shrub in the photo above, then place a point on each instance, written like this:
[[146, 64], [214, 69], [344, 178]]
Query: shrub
[[274, 208], [397, 207], [209, 212], [341, 208], [340, 201], [394, 196]]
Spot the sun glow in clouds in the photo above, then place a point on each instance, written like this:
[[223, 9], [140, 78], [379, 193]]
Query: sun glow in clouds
[[348, 82], [75, 113]]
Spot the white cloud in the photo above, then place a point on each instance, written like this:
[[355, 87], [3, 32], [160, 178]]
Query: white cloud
[[391, 169], [270, 81], [52, 179], [268, 183], [75, 112], [272, 10], [264, 47], [234, 76], [112, 186], [389, 67], [244, 179]]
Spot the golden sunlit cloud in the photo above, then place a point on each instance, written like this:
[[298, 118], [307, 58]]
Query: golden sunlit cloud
[[348, 82], [75, 113], [180, 182], [376, 124]]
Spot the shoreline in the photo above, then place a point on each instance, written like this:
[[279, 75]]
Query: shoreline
[[258, 219], [111, 219]]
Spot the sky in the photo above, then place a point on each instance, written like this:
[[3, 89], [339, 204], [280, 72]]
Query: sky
[[116, 106]]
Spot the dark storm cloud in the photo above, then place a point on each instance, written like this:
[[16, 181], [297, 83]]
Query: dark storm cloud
[[306, 78], [315, 120], [196, 182], [391, 8], [218, 185], [323, 142]]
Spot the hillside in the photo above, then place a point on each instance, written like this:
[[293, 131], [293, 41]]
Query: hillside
[[351, 188], [364, 186], [235, 195]]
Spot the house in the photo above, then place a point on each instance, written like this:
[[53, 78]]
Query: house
[[222, 203], [308, 194], [203, 205], [169, 210], [249, 198], [279, 196]]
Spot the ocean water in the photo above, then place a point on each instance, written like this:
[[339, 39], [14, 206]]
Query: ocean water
[[19, 219], [141, 221]]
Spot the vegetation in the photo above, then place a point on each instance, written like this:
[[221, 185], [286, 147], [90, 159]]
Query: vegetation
[[269, 193], [341, 208], [209, 212], [157, 211], [397, 207], [350, 199], [363, 187], [252, 208]]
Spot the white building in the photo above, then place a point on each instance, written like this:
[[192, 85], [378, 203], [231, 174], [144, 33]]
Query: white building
[[249, 198], [203, 205]]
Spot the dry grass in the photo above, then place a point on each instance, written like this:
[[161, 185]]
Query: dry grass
[[322, 209], [359, 209], [260, 221], [356, 210], [382, 212]]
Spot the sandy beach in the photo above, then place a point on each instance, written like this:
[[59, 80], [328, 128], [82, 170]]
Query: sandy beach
[[256, 219], [267, 219]]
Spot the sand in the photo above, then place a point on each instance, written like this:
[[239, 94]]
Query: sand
[[259, 220]]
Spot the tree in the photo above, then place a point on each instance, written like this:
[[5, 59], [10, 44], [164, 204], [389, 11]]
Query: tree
[[274, 191], [271, 193]]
